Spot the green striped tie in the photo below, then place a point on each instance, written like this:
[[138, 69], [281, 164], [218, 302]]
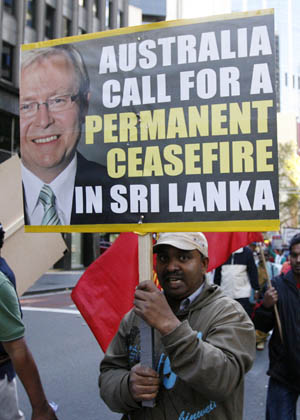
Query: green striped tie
[[47, 198]]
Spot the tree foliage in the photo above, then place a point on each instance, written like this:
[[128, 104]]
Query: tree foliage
[[289, 184]]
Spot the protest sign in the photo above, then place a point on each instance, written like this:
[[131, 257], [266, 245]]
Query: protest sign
[[288, 233], [179, 124]]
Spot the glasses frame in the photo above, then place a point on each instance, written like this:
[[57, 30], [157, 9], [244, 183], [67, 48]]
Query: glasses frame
[[36, 105]]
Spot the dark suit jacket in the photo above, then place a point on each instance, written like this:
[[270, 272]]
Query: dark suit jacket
[[88, 173], [91, 174]]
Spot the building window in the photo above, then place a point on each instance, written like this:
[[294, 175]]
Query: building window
[[111, 18], [7, 61], [298, 82], [81, 31], [294, 81], [95, 8], [121, 19], [9, 6], [9, 135], [286, 79], [49, 22], [66, 27], [82, 3], [30, 14]]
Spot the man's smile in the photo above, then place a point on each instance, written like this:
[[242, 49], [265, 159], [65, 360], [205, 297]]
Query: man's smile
[[45, 139]]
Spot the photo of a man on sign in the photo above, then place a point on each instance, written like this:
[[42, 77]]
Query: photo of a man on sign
[[180, 117], [54, 100]]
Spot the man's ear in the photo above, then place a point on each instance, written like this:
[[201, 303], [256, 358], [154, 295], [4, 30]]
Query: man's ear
[[205, 261]]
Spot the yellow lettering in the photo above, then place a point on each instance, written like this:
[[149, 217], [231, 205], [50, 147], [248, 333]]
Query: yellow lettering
[[242, 159], [134, 160], [93, 124], [240, 119], [262, 114], [176, 165], [217, 119], [262, 155], [209, 157], [198, 121], [153, 165], [109, 127], [224, 158], [191, 158], [128, 130], [176, 124], [114, 169], [153, 127]]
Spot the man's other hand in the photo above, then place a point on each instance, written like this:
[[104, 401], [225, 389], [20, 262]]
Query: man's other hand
[[143, 383]]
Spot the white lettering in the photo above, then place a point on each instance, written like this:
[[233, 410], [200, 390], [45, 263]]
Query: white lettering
[[261, 80]]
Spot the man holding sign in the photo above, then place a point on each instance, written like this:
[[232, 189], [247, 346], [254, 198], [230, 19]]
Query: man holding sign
[[204, 342], [54, 98]]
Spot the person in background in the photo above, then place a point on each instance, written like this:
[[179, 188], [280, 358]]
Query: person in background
[[204, 343], [266, 271], [253, 248], [286, 266], [284, 352], [15, 354], [238, 276]]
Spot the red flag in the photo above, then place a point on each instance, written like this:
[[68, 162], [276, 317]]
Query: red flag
[[104, 293], [222, 244]]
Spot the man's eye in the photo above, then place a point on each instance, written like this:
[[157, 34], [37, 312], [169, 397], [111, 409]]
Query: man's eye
[[162, 258], [59, 100], [183, 257], [26, 107]]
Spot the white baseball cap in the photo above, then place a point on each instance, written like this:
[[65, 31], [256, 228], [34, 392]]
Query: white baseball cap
[[184, 240]]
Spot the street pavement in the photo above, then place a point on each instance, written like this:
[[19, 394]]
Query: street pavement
[[68, 355], [55, 280]]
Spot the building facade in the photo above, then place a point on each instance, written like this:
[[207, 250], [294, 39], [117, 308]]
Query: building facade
[[287, 35], [287, 82], [28, 21]]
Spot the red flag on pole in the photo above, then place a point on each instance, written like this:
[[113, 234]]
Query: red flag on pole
[[104, 293], [222, 244]]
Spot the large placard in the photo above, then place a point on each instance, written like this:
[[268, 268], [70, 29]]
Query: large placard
[[178, 128]]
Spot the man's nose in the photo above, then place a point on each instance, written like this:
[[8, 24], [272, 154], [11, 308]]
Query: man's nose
[[172, 265], [43, 117]]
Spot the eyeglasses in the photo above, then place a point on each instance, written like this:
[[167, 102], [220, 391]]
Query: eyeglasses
[[55, 104]]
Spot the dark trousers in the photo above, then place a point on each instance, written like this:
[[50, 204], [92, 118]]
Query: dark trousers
[[281, 402], [246, 304]]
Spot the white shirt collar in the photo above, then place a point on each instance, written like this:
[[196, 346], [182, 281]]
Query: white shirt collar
[[62, 186], [190, 299]]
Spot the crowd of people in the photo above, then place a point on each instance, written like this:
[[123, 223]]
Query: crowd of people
[[205, 337]]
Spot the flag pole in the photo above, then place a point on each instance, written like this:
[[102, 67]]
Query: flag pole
[[145, 251], [270, 285]]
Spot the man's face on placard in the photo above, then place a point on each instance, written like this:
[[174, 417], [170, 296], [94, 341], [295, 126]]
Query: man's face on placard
[[50, 131]]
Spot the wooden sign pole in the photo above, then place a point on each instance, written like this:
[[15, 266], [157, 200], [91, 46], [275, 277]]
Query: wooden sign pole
[[270, 285], [145, 247]]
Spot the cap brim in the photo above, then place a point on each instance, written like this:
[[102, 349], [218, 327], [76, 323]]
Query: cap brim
[[176, 244]]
